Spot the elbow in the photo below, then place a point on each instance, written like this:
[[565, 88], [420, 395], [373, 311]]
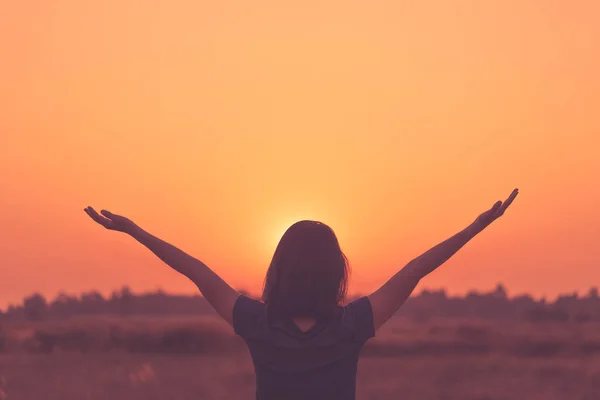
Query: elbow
[[412, 273]]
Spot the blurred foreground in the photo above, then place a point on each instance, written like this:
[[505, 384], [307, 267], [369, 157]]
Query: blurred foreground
[[199, 358]]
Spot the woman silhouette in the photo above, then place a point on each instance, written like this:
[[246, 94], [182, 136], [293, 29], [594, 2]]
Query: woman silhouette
[[303, 339]]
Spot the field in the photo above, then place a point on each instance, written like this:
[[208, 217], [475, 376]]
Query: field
[[183, 359]]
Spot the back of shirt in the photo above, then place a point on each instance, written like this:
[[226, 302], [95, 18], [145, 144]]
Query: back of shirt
[[320, 363]]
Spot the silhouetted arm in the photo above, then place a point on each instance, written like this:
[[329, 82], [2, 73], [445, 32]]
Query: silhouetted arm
[[386, 300], [215, 290]]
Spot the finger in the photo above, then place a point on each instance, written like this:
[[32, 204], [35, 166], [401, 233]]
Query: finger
[[496, 206], [512, 196], [510, 199], [107, 214], [90, 213], [495, 210], [97, 217]]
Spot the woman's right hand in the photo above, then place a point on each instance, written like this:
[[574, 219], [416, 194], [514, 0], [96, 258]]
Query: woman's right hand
[[495, 212], [111, 221]]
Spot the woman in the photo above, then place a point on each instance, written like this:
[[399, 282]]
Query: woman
[[303, 341]]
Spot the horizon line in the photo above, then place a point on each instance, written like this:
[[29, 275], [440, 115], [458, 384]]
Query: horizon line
[[576, 293]]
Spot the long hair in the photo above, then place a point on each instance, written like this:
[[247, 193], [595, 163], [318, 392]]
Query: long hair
[[308, 275]]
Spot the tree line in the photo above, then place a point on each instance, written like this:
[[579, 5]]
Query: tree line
[[495, 304]]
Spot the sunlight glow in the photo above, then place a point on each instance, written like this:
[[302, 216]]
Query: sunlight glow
[[281, 225]]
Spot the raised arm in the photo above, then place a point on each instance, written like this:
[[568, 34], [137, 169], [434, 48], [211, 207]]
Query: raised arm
[[215, 290], [386, 300]]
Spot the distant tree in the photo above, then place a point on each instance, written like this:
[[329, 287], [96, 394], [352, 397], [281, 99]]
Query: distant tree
[[500, 291], [64, 305], [126, 298], [523, 301], [35, 307], [436, 294], [472, 295], [115, 296], [62, 298], [92, 296], [593, 293], [92, 302]]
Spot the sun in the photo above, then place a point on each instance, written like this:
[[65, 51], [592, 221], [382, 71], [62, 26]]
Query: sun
[[278, 218], [278, 227]]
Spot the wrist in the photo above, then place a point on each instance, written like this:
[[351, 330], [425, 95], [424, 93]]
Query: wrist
[[133, 230], [475, 228]]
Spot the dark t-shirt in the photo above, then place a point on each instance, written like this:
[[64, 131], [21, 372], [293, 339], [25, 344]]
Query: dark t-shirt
[[320, 363]]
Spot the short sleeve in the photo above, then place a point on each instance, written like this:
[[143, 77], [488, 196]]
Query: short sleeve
[[249, 316], [358, 317]]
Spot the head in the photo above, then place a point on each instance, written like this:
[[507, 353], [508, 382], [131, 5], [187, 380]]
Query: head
[[308, 276]]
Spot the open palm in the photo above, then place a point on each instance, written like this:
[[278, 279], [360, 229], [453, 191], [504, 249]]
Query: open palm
[[496, 211], [109, 220]]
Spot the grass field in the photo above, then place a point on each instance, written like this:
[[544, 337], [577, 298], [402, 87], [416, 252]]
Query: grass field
[[446, 360]]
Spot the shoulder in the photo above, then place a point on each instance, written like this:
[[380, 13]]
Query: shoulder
[[358, 317], [245, 303], [359, 309], [248, 315]]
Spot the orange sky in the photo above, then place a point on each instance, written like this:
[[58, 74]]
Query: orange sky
[[215, 125]]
